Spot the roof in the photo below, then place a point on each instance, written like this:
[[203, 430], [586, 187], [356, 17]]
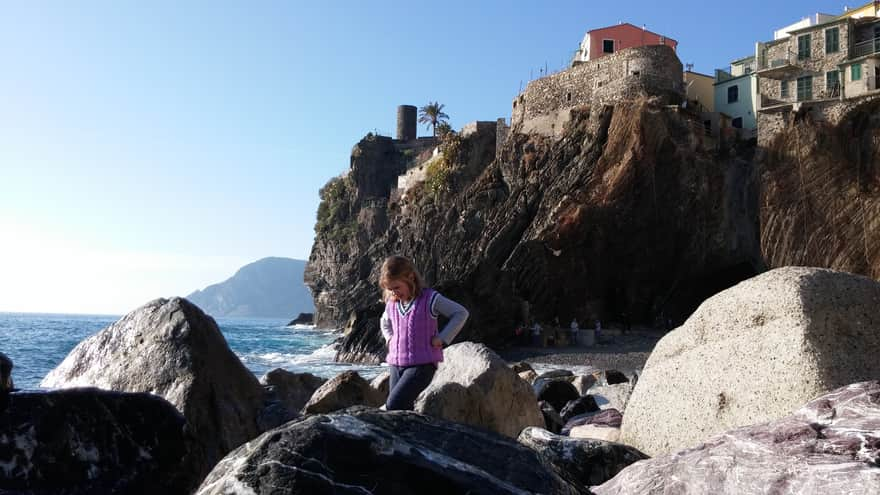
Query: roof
[[698, 74], [632, 26], [744, 59], [836, 20]]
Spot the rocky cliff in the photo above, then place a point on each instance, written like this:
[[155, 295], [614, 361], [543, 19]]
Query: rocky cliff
[[820, 199], [624, 217]]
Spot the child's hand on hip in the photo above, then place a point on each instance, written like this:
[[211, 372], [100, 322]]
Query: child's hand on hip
[[436, 341]]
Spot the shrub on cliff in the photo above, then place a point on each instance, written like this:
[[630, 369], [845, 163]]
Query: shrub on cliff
[[334, 211]]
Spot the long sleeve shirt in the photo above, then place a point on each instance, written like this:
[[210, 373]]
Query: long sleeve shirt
[[456, 313]]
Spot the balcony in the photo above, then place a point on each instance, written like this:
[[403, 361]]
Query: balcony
[[865, 48], [782, 67]]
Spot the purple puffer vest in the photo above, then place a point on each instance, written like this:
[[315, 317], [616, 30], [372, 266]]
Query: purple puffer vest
[[410, 342]]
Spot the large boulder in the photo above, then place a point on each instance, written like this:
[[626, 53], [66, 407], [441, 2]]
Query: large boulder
[[87, 441], [344, 390], [830, 445], [360, 451], [754, 353], [473, 385], [582, 462], [6, 384], [172, 349]]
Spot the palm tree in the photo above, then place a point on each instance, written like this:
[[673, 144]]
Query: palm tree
[[432, 114]]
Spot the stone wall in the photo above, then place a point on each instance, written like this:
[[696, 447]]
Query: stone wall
[[477, 126], [546, 102], [501, 132], [828, 111]]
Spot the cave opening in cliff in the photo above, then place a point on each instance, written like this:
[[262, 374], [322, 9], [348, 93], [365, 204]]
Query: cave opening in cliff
[[691, 293]]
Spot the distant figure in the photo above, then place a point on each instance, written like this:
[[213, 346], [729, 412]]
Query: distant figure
[[536, 334], [598, 329], [574, 331], [409, 325]]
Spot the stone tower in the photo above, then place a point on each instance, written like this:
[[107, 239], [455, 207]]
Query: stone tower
[[406, 122]]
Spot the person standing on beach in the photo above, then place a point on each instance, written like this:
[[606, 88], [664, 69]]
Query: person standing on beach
[[409, 325]]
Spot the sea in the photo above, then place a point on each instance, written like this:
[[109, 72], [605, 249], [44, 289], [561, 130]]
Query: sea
[[37, 343]]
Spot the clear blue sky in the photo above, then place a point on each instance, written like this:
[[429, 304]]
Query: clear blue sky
[[151, 148]]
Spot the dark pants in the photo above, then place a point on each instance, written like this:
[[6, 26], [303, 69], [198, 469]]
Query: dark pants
[[407, 382]]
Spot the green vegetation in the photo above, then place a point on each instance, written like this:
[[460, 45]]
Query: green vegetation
[[334, 222], [432, 114], [438, 176]]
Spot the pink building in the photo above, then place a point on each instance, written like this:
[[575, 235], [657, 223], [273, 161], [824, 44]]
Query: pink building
[[600, 42]]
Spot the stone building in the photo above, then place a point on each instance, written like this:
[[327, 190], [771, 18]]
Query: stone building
[[823, 68], [544, 106]]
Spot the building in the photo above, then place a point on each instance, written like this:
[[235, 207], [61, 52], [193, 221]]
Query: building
[[736, 95], [699, 91], [808, 21], [826, 66], [605, 41]]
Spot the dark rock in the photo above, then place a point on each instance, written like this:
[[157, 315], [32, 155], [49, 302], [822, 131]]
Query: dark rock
[[613, 377], [521, 366], [360, 451], [552, 419], [172, 349], [556, 392], [286, 394], [363, 342], [6, 383], [303, 319], [581, 461], [88, 441], [581, 405], [473, 385], [606, 417], [830, 445], [344, 390], [557, 374]]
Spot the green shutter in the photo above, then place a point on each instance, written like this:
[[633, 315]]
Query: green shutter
[[805, 88], [804, 46], [856, 72], [832, 40]]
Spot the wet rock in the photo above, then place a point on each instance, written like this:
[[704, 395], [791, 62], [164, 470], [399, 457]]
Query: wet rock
[[582, 462], [6, 383], [303, 319], [344, 390], [754, 353], [476, 387], [172, 349], [88, 441], [361, 451], [830, 445], [575, 407]]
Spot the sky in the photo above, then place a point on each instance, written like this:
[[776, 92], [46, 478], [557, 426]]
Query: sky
[[149, 149]]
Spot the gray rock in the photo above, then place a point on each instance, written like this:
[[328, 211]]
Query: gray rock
[[363, 451], [344, 390], [556, 392], [293, 389], [474, 386], [606, 417], [382, 384], [580, 461], [170, 348], [6, 384], [521, 366], [556, 374], [582, 383], [613, 396], [529, 376], [754, 353], [88, 441], [581, 405], [830, 445]]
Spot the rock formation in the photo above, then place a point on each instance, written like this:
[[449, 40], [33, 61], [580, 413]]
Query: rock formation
[[286, 394], [476, 387], [360, 451], [344, 390], [6, 383], [88, 441], [623, 217], [170, 348], [830, 445], [794, 332]]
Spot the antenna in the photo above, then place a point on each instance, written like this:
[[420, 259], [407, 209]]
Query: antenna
[[689, 67]]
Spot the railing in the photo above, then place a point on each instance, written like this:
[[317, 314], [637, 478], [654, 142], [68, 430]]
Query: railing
[[867, 47], [790, 58]]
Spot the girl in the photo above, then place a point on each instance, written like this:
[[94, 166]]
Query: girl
[[409, 325]]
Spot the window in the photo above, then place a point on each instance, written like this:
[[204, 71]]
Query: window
[[805, 88], [832, 40], [733, 94], [737, 123], [856, 72], [832, 82], [804, 47], [783, 89], [607, 46]]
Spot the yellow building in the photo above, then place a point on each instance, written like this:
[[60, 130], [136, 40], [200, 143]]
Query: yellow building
[[699, 90], [870, 9]]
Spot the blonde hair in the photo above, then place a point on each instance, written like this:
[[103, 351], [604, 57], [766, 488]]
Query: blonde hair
[[400, 268]]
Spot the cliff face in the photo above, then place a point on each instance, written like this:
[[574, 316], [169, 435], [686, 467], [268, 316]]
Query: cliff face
[[820, 199], [623, 218]]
